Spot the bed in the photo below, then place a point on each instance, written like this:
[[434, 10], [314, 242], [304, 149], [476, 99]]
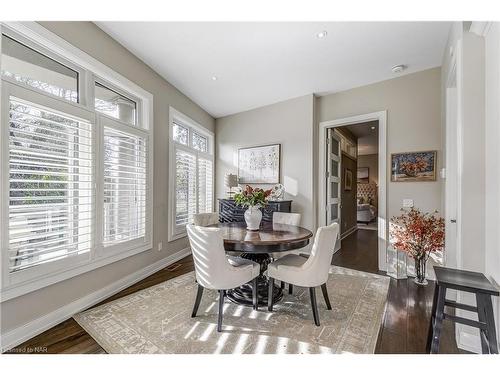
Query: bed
[[367, 202]]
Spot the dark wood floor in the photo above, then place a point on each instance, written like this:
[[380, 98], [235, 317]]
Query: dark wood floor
[[404, 329]]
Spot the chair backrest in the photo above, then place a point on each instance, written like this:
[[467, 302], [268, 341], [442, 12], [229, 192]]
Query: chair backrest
[[286, 218], [318, 264], [210, 262], [205, 220]]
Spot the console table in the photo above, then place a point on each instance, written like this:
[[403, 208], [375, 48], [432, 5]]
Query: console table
[[229, 212]]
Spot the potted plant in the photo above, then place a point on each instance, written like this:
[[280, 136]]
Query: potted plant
[[254, 199], [418, 234]]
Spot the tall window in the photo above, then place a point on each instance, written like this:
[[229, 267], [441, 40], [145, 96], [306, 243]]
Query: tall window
[[78, 187], [191, 172]]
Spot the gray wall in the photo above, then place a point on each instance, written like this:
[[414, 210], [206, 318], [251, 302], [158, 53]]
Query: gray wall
[[289, 123], [413, 104], [95, 42], [370, 161]]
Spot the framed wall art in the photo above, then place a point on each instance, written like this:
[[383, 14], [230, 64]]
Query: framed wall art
[[259, 165], [413, 166]]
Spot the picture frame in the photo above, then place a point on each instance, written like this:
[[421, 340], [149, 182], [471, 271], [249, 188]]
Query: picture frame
[[260, 164], [416, 166], [348, 180], [363, 175]]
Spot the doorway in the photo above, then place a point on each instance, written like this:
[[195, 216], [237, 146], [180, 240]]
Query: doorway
[[338, 180]]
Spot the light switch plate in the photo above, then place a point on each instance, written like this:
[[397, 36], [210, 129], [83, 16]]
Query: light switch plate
[[407, 203]]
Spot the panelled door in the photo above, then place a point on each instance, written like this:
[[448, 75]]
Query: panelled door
[[333, 178]]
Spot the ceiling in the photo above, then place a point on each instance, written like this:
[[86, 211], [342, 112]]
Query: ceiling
[[367, 137], [259, 63]]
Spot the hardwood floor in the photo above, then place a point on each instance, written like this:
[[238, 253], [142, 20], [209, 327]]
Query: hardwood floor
[[404, 329]]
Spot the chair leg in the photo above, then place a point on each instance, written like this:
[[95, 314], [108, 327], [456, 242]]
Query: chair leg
[[221, 309], [282, 285], [325, 296], [314, 305], [197, 300], [270, 294], [430, 330], [290, 289], [481, 314], [490, 323], [438, 321], [254, 294]]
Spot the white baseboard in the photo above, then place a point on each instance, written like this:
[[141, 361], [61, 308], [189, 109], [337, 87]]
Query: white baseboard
[[25, 332], [467, 341]]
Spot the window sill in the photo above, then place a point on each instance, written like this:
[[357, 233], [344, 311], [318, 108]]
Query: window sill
[[176, 236], [44, 281]]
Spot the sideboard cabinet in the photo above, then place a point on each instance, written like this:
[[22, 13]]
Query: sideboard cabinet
[[229, 212]]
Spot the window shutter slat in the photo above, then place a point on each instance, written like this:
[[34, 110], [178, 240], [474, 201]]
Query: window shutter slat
[[185, 186], [51, 186], [124, 186], [205, 188]]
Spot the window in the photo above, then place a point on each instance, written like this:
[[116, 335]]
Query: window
[[199, 142], [113, 104], [51, 195], [30, 67], [191, 177], [77, 192], [180, 134]]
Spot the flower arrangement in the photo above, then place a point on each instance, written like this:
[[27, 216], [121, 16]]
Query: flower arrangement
[[413, 168], [251, 197], [418, 234]]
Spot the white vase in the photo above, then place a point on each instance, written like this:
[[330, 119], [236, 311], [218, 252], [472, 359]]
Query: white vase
[[253, 217]]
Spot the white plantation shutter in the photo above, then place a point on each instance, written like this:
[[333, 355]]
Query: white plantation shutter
[[51, 191], [125, 164], [191, 173], [205, 186], [185, 186]]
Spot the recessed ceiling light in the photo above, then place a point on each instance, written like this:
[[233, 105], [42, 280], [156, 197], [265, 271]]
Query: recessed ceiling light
[[214, 78], [398, 68], [321, 34]]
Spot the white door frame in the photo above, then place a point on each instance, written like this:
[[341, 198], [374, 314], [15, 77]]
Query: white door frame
[[381, 117]]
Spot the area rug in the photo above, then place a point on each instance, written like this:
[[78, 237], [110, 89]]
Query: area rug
[[158, 320]]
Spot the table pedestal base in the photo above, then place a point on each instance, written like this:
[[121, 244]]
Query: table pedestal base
[[243, 294]]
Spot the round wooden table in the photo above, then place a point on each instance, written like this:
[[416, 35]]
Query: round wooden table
[[258, 246]]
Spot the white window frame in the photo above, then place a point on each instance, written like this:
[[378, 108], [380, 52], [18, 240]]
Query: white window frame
[[175, 232], [90, 70]]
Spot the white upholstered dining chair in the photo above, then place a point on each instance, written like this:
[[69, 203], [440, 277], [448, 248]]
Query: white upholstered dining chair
[[287, 218], [206, 219], [215, 270], [307, 272]]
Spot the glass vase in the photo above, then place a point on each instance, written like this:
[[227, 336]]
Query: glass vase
[[420, 270]]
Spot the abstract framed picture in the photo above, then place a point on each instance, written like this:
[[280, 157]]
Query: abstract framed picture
[[259, 165], [348, 180], [413, 166], [363, 175]]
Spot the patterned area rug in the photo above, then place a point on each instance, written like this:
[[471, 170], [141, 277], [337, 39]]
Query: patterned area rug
[[158, 320]]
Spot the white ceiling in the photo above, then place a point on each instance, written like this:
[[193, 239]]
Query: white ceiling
[[262, 63]]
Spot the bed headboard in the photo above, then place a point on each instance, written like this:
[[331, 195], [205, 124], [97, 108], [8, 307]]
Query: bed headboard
[[368, 192]]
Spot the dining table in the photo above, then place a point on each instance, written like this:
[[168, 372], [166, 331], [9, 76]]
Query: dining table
[[260, 246]]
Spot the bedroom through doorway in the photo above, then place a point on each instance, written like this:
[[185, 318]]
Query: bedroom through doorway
[[359, 145]]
